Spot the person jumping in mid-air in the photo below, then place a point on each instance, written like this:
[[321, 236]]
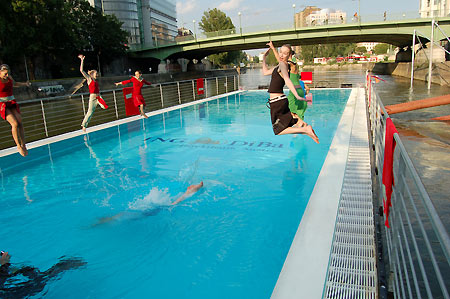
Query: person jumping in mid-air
[[138, 82], [296, 107], [9, 109], [94, 93], [282, 120]]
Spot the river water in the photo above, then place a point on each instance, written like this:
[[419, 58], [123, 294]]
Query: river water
[[427, 141]]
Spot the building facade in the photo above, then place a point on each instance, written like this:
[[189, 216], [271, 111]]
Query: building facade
[[326, 17], [368, 45], [300, 18], [149, 22], [434, 8], [163, 22]]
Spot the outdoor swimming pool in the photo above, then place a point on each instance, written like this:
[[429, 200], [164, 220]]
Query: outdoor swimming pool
[[227, 241]]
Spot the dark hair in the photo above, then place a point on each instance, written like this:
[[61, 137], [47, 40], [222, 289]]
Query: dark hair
[[4, 67]]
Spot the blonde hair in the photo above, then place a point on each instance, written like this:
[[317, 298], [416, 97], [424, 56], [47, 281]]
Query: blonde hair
[[91, 72]]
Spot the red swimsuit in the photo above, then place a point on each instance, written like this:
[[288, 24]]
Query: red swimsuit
[[93, 87], [6, 98], [137, 86]]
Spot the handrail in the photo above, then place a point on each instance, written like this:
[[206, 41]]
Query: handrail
[[105, 91], [46, 117], [416, 264]]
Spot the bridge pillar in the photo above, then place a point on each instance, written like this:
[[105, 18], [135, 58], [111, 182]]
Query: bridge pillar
[[404, 55], [207, 63], [162, 67], [195, 65], [183, 62]]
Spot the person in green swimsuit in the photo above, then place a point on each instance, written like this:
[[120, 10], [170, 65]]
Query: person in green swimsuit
[[297, 107]]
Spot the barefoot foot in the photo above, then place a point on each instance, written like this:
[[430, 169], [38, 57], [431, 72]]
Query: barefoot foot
[[22, 150], [310, 132]]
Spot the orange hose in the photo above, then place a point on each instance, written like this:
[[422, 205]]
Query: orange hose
[[418, 104], [443, 118]]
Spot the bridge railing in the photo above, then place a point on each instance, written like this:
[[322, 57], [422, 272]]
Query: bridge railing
[[48, 117], [418, 245], [349, 20]]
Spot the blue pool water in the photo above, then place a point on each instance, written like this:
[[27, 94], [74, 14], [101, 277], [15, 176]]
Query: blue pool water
[[227, 241]]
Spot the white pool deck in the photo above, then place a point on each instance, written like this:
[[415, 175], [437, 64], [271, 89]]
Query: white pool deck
[[333, 252]]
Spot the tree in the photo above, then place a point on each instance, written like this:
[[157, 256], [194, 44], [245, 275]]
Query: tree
[[55, 31], [381, 49], [216, 20], [360, 50], [256, 59], [308, 53]]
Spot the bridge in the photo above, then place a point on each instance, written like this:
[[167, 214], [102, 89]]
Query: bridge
[[398, 33]]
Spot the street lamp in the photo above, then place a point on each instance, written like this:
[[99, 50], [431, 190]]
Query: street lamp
[[358, 19], [195, 30], [295, 25], [240, 23]]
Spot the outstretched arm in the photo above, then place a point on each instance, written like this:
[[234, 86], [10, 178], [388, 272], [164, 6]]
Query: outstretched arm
[[20, 84], [85, 75], [287, 80], [190, 190], [265, 70], [123, 82], [275, 52], [146, 82]]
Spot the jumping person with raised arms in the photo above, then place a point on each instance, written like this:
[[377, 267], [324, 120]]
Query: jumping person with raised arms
[[94, 93], [297, 107], [282, 120], [9, 109], [138, 82]]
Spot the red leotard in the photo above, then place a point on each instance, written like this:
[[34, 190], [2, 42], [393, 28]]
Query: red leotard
[[6, 91], [93, 87], [137, 86]]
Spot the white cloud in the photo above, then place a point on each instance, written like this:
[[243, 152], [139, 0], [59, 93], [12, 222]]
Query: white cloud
[[186, 6], [231, 4]]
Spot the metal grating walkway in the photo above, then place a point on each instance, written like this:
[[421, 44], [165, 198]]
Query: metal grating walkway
[[352, 266]]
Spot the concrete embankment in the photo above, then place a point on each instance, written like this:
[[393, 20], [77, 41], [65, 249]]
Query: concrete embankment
[[440, 72]]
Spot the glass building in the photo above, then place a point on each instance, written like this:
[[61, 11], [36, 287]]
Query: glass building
[[163, 22], [149, 22]]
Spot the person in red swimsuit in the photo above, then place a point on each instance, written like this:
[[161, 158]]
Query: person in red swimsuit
[[138, 82], [9, 109], [94, 93]]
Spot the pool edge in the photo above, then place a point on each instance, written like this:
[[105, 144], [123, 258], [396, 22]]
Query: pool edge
[[53, 139], [304, 271]]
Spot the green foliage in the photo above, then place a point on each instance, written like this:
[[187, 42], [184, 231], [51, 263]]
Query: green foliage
[[360, 50], [308, 53], [256, 59], [215, 20], [381, 49], [57, 30], [271, 59]]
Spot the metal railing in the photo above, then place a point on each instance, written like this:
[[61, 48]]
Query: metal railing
[[48, 117], [418, 245]]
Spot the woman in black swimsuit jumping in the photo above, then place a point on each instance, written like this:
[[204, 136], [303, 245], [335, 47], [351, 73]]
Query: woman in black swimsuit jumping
[[282, 120]]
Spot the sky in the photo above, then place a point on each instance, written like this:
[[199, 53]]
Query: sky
[[260, 13]]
